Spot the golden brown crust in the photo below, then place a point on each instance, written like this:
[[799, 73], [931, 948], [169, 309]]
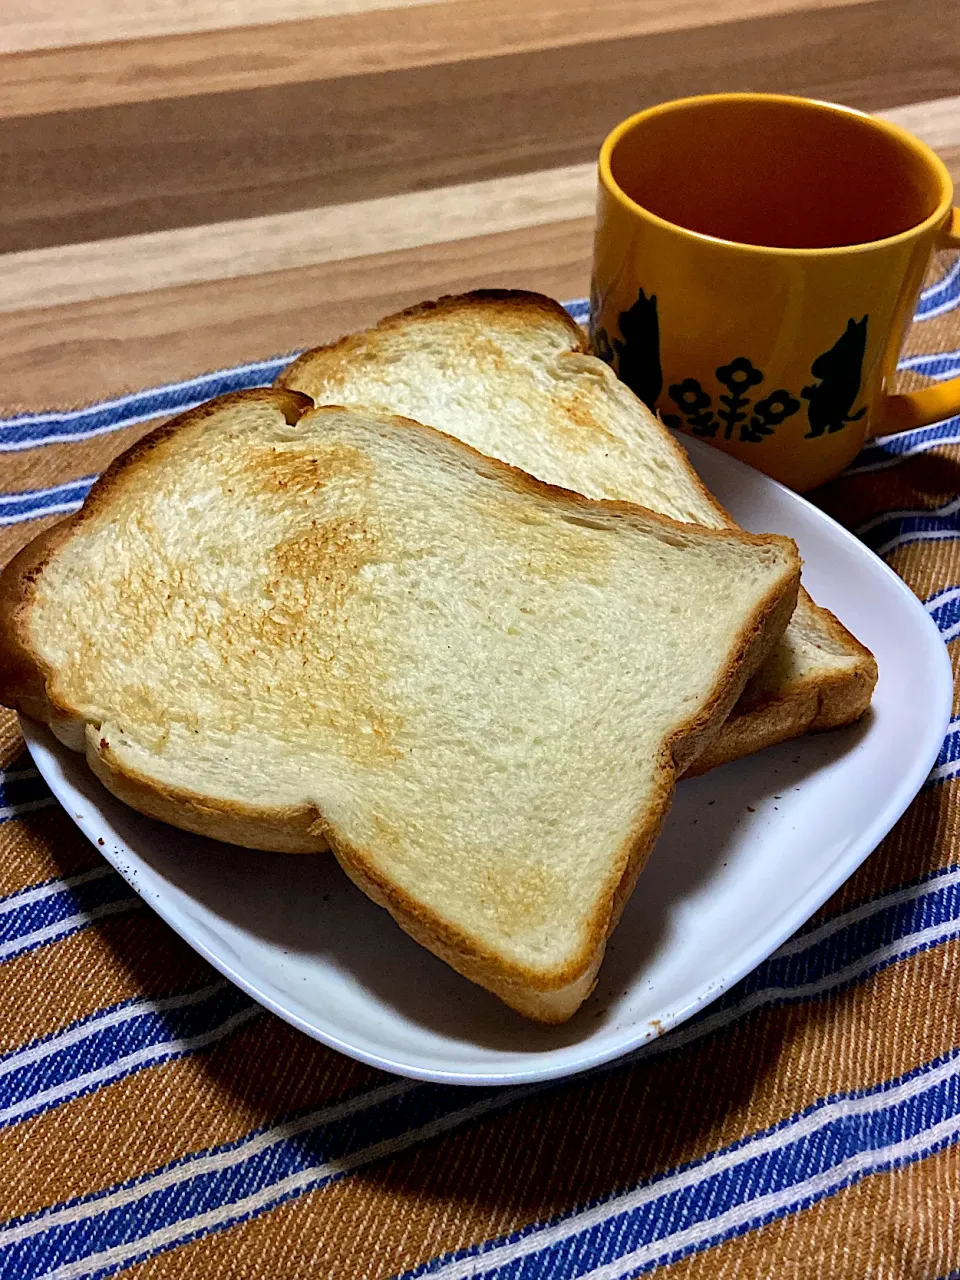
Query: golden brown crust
[[280, 829], [813, 705], [295, 374], [459, 952], [23, 677], [818, 703]]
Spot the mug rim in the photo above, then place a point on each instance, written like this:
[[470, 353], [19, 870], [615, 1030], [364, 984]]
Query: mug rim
[[903, 136]]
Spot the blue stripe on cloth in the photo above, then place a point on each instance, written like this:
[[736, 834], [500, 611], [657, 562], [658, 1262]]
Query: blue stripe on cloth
[[210, 1190], [948, 761], [79, 1058], [32, 504], [19, 898], [944, 609], [43, 914], [22, 790], [115, 1042], [23, 807], [579, 310], [942, 296], [886, 452], [940, 365], [31, 430], [892, 529], [806, 1157], [815, 931]]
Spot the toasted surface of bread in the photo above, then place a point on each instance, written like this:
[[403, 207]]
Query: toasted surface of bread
[[287, 630], [508, 372]]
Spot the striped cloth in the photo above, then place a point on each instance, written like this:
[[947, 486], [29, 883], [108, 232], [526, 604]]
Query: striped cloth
[[154, 1121]]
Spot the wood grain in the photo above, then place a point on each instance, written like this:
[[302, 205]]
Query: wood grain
[[46, 24], [937, 123], [42, 278], [110, 171], [208, 197], [251, 246], [73, 355], [178, 66]]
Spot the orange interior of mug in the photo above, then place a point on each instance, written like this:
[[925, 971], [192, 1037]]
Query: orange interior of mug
[[772, 171]]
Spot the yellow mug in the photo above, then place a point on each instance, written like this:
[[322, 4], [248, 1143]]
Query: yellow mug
[[758, 260]]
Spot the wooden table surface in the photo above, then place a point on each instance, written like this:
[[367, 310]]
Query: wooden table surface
[[200, 184]]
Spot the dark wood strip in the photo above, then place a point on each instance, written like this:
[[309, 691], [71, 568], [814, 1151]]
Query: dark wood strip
[[68, 273], [111, 171], [204, 62]]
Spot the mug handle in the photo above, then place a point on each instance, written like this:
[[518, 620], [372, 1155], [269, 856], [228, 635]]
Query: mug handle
[[931, 404]]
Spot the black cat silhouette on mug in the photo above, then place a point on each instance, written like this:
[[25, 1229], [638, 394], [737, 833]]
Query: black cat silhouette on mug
[[638, 355], [839, 370]]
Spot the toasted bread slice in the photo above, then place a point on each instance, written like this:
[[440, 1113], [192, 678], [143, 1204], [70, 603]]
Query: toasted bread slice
[[285, 630], [508, 372]]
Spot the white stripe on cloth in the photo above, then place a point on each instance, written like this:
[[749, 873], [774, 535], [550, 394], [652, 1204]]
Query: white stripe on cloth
[[907, 539], [120, 1066], [940, 598], [213, 1163], [28, 806], [909, 893], [933, 291], [38, 513], [14, 901], [909, 513], [17, 775], [912, 362], [70, 925], [216, 1162], [938, 309], [61, 1040], [803, 1126], [165, 1236], [894, 459], [778, 1202], [133, 397], [944, 771]]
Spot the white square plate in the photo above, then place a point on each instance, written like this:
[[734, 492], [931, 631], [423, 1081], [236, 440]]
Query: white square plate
[[748, 854]]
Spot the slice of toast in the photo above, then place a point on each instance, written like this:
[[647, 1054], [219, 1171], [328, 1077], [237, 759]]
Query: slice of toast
[[508, 373], [288, 630]]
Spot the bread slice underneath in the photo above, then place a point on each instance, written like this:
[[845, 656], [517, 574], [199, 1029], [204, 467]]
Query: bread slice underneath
[[285, 630], [509, 373]]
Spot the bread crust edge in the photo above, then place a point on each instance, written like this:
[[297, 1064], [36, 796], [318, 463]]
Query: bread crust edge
[[814, 705]]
